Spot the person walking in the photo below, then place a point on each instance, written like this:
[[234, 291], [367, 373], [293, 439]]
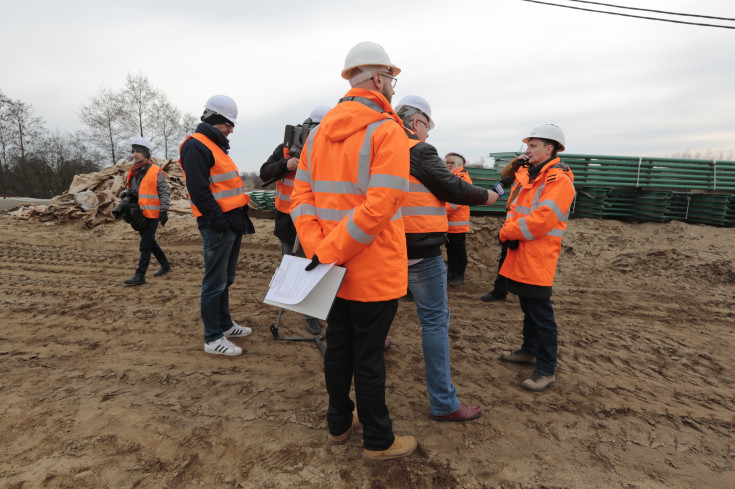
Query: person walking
[[533, 232], [350, 183], [219, 203], [146, 185], [431, 185], [281, 166]]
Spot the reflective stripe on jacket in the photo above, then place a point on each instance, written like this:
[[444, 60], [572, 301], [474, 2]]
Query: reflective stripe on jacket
[[284, 187], [459, 215], [224, 178], [148, 199], [349, 187], [422, 212], [538, 219]]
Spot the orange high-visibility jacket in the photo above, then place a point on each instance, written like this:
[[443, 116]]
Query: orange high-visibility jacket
[[284, 187], [350, 184], [538, 219], [422, 212], [224, 178], [459, 215], [148, 198]]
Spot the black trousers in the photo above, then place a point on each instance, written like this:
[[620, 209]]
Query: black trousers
[[148, 245], [456, 254], [356, 333], [500, 287]]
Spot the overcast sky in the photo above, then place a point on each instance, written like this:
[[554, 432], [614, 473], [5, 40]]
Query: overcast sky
[[491, 69]]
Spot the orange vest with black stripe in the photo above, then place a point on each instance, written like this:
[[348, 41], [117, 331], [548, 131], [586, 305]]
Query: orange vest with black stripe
[[148, 199], [538, 220], [346, 203], [459, 215], [422, 211], [224, 178], [284, 188]]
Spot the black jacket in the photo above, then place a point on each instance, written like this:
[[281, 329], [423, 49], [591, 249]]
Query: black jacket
[[275, 167], [197, 161], [428, 167]]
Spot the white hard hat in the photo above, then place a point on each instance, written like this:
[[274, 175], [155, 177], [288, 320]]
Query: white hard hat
[[367, 53], [418, 103], [224, 106], [318, 113], [456, 153], [139, 141], [548, 131]]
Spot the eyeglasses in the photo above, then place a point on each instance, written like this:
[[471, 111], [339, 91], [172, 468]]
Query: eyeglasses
[[393, 79]]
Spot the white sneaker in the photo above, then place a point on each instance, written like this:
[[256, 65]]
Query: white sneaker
[[237, 331], [222, 346]]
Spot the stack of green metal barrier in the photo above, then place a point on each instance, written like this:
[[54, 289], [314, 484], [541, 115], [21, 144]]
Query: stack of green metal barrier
[[264, 199], [651, 189]]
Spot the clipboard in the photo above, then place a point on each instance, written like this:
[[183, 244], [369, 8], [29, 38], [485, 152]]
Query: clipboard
[[311, 293]]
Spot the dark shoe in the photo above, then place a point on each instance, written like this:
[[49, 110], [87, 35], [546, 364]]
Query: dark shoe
[[342, 439], [136, 280], [539, 382], [313, 326], [163, 270], [387, 344], [517, 357], [466, 412], [490, 297], [456, 281]]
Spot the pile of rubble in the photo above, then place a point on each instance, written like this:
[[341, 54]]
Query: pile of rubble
[[92, 196]]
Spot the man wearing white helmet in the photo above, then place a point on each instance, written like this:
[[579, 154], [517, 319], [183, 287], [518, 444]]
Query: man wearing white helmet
[[459, 225], [351, 180], [281, 167], [431, 185], [219, 203], [533, 231], [144, 205]]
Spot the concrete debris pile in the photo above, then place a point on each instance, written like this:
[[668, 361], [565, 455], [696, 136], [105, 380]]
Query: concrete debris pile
[[92, 196]]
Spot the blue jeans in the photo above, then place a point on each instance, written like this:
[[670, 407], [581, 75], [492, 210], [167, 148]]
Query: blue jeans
[[221, 251], [539, 333], [427, 281], [148, 245]]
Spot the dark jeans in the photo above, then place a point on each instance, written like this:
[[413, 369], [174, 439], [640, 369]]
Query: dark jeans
[[456, 254], [500, 287], [221, 251], [148, 245], [356, 333], [539, 333]]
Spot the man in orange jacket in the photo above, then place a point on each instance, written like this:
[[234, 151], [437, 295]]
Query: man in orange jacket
[[532, 231], [459, 225], [350, 183]]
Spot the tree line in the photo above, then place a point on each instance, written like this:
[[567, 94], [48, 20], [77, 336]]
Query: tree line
[[40, 163]]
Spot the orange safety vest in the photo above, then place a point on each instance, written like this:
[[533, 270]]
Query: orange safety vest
[[224, 178], [422, 211], [349, 188], [148, 199], [284, 187], [459, 215], [538, 219]]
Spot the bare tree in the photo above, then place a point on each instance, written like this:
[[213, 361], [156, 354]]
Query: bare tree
[[104, 115], [140, 99], [167, 122]]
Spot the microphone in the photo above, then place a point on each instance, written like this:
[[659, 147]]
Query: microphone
[[499, 188]]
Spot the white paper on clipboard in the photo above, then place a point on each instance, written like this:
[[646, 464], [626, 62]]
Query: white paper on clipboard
[[311, 293]]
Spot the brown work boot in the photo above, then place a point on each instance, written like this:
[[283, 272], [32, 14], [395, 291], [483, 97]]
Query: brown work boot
[[539, 382], [517, 357], [342, 439], [402, 446]]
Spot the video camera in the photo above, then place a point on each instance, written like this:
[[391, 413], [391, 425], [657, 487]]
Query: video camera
[[295, 136]]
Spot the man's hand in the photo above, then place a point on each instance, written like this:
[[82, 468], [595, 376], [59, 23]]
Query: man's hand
[[313, 264], [511, 245], [163, 217], [292, 164], [219, 224]]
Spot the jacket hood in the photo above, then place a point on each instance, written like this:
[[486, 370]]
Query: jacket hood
[[350, 117]]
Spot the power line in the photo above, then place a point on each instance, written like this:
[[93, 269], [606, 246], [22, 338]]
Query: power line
[[634, 16], [656, 11]]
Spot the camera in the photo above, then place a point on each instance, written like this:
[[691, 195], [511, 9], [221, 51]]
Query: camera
[[129, 211], [295, 136]]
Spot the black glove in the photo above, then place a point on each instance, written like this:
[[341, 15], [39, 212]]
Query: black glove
[[313, 264], [219, 224], [163, 217], [511, 245]]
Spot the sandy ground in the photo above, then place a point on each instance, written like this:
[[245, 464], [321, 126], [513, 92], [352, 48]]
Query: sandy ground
[[107, 386]]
